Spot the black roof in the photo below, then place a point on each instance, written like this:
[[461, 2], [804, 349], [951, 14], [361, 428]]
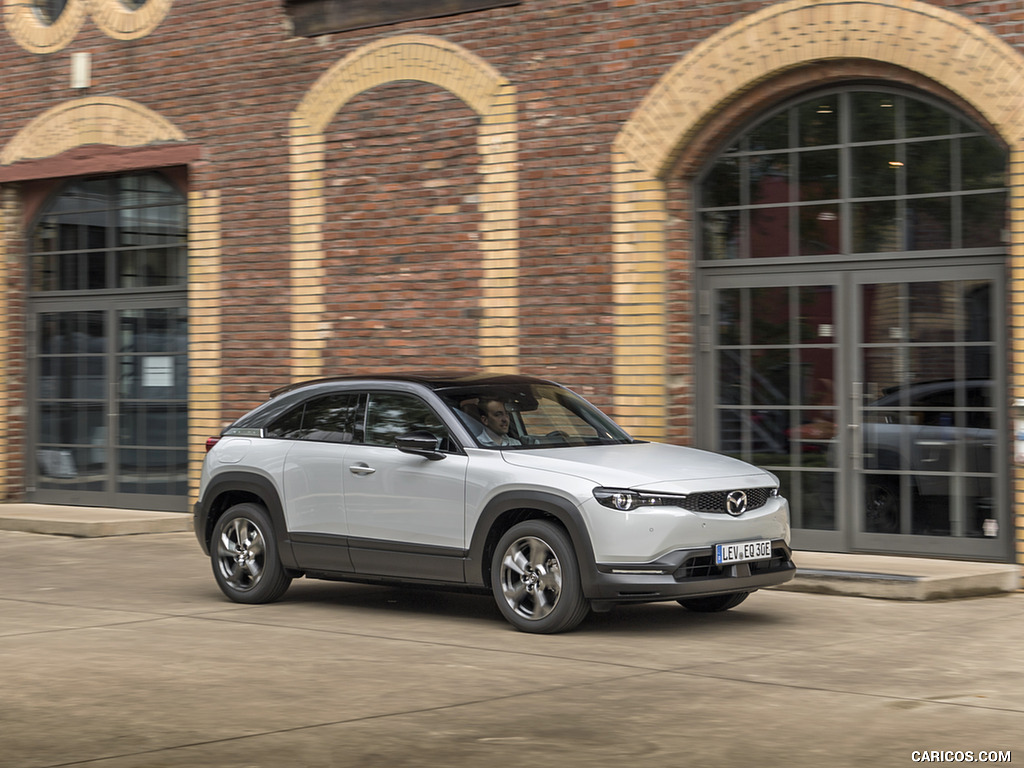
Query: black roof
[[432, 379]]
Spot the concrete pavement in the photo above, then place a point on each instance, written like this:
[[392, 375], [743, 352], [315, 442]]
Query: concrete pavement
[[895, 578], [120, 652]]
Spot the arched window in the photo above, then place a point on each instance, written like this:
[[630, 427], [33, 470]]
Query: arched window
[[851, 272], [854, 171]]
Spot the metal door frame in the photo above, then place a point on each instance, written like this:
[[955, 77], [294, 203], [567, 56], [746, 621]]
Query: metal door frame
[[999, 547], [111, 304], [846, 279]]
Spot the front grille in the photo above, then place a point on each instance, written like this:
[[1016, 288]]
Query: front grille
[[700, 566], [714, 501]]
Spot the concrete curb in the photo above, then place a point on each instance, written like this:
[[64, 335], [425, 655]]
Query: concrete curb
[[900, 578], [891, 578], [89, 522]]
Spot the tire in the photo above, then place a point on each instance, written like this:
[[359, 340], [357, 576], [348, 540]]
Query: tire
[[243, 551], [535, 579], [713, 603], [882, 506]]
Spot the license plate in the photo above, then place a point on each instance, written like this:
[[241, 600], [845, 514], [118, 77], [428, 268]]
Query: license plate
[[742, 552]]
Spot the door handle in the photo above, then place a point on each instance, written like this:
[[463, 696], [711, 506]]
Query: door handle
[[361, 469], [856, 449]]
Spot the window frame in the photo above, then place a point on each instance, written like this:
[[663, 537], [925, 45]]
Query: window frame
[[738, 213]]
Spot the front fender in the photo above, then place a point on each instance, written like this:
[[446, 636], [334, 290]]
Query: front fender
[[503, 511]]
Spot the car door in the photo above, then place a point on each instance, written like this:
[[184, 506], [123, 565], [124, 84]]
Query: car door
[[321, 430], [405, 512]]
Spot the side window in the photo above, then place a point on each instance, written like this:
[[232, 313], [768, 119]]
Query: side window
[[289, 426], [331, 418], [390, 414]]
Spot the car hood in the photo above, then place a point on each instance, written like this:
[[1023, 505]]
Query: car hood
[[645, 466]]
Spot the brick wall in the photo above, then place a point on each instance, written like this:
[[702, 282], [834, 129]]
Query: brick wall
[[542, 224]]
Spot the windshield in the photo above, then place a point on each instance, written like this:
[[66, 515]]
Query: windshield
[[531, 416]]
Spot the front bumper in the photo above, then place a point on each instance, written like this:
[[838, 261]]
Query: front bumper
[[685, 573]]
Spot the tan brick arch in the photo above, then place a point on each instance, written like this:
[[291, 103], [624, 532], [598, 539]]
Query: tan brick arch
[[473, 81], [99, 120], [963, 57]]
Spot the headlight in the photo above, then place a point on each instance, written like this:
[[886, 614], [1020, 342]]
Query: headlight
[[626, 500]]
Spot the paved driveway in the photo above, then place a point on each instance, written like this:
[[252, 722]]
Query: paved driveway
[[120, 651]]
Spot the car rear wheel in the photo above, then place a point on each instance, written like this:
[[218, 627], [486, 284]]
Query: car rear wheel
[[244, 555], [535, 579], [713, 603]]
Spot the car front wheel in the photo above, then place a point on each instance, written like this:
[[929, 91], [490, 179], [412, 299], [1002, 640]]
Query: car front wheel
[[244, 555], [535, 579]]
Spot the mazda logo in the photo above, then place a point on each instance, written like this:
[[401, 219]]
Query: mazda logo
[[736, 503]]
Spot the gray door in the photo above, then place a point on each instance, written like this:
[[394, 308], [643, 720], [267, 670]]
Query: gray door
[[110, 421], [878, 398], [930, 456]]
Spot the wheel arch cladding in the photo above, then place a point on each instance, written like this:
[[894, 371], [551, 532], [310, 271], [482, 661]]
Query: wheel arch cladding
[[507, 509], [238, 487]]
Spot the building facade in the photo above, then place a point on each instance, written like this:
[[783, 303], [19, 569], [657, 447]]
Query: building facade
[[788, 231]]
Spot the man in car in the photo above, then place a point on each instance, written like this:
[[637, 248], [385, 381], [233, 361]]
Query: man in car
[[496, 423]]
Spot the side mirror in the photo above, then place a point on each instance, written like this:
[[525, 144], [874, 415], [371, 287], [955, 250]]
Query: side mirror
[[420, 443]]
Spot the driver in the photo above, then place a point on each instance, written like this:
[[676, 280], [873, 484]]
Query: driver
[[496, 423]]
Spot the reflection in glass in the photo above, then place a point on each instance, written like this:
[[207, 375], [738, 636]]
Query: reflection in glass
[[982, 163], [929, 224], [873, 116], [730, 377], [769, 315], [722, 185], [729, 316], [931, 505], [979, 507], [882, 503], [933, 364], [924, 119], [720, 231], [818, 500], [138, 221], [771, 134], [769, 179], [875, 170], [769, 376], [882, 319], [816, 320], [928, 167], [819, 229], [932, 312], [976, 297], [817, 377], [984, 220], [819, 175], [883, 370], [814, 438], [899, 149], [876, 227], [769, 232], [819, 121]]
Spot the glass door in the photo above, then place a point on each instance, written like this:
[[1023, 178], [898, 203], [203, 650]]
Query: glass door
[[878, 398], [929, 474], [110, 424], [778, 389]]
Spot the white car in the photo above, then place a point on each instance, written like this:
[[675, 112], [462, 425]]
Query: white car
[[510, 485]]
